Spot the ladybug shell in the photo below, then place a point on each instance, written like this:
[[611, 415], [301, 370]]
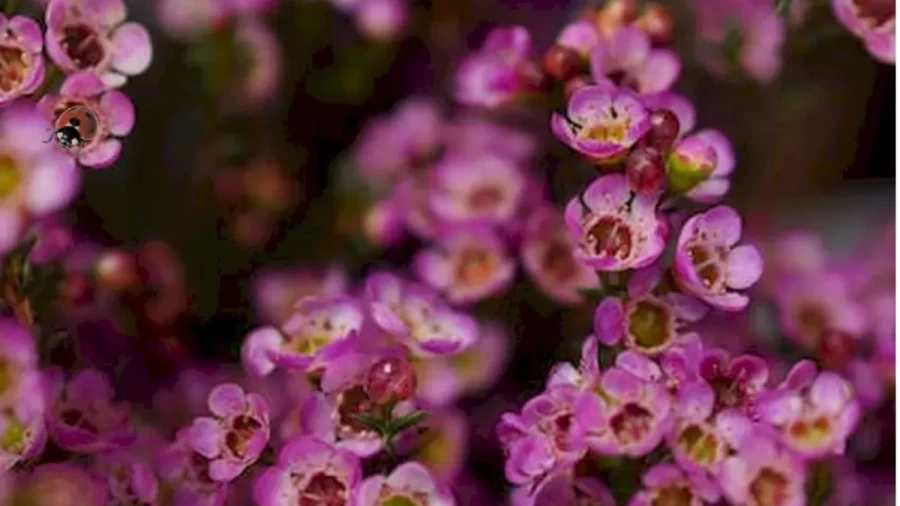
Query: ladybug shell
[[87, 122]]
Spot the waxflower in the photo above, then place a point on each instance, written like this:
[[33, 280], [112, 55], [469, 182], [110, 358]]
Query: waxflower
[[467, 264], [187, 473], [698, 440], [128, 480], [85, 419], [762, 473], [58, 483], [94, 37], [564, 489], [814, 417], [381, 19], [21, 58], [601, 122], [548, 255], [630, 412], [628, 54], [484, 188], [710, 265], [408, 484], [544, 438], [113, 110], [499, 72], [667, 484], [700, 166], [415, 316], [308, 471], [579, 36], [35, 179], [235, 436], [737, 381], [615, 229], [649, 323], [813, 306], [873, 21], [276, 291], [315, 330]]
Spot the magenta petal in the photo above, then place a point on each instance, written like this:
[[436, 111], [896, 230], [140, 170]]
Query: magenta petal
[[225, 470], [800, 376], [101, 155], [744, 267], [28, 32], [106, 13], [696, 400], [411, 476], [709, 191], [132, 49], [52, 184], [227, 399], [830, 392], [206, 437], [607, 193], [724, 224], [82, 85], [609, 321], [255, 353], [118, 113]]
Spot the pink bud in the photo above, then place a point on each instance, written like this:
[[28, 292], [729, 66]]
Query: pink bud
[[391, 379]]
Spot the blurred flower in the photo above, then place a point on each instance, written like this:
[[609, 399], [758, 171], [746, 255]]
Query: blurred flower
[[277, 290], [442, 446], [564, 489], [500, 72], [872, 21], [628, 54], [261, 68], [22, 397], [409, 483], [316, 329], [308, 471], [129, 480], [54, 240], [93, 36], [185, 20], [21, 58], [548, 255], [237, 434], [601, 123], [35, 179], [85, 419], [544, 438], [468, 264], [486, 188], [113, 110], [381, 19], [187, 473], [580, 36], [762, 473], [417, 317], [709, 265], [667, 484], [813, 306], [614, 228], [57, 484]]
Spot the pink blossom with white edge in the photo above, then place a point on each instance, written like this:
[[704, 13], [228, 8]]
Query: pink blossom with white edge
[[408, 484], [22, 58]]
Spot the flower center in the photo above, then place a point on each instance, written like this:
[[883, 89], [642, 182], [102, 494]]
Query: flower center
[[80, 419], [323, 490], [353, 402], [82, 45], [632, 423], [699, 444], [610, 125], [729, 392], [878, 12], [14, 65], [811, 432], [769, 488], [559, 262], [706, 265], [10, 176], [651, 324], [15, 437], [243, 428], [400, 500], [673, 496], [610, 237], [485, 198], [474, 266]]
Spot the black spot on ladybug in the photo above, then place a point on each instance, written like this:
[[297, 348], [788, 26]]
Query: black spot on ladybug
[[75, 127]]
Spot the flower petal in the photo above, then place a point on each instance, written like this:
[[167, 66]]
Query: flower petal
[[227, 399], [206, 437], [118, 113], [101, 155], [131, 49], [744, 267]]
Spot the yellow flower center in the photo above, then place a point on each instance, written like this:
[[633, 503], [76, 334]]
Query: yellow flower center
[[10, 176]]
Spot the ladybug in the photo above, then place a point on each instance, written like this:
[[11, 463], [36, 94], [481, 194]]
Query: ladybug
[[75, 127]]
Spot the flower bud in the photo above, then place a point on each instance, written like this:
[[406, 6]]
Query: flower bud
[[117, 270], [657, 23], [391, 380], [664, 130], [562, 63], [645, 169], [690, 163]]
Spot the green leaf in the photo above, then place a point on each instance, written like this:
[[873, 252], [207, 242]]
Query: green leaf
[[400, 424], [371, 422]]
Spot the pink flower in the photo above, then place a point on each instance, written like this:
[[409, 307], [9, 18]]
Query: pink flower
[[700, 166], [484, 188], [699, 440], [187, 473], [628, 53], [93, 36], [129, 480], [316, 329], [601, 122], [381, 19], [737, 381], [579, 36], [564, 489], [498, 73], [35, 179], [468, 264], [814, 417], [185, 20], [418, 318], [113, 110], [85, 419], [58, 483], [633, 413], [408, 484], [614, 228], [277, 291], [548, 255], [53, 241], [261, 71], [22, 59], [22, 396], [473, 136], [710, 265], [235, 436], [545, 438], [872, 21], [308, 471], [667, 484], [763, 474], [812, 306]]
